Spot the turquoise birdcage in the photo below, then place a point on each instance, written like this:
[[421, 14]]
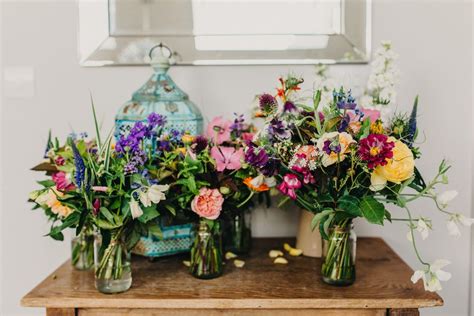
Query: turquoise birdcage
[[160, 95]]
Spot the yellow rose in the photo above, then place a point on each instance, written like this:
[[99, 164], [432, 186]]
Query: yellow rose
[[187, 139], [400, 168]]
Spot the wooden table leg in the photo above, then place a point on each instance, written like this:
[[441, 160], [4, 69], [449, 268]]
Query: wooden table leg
[[60, 312], [404, 312]]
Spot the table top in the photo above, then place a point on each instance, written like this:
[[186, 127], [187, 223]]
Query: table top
[[382, 281]]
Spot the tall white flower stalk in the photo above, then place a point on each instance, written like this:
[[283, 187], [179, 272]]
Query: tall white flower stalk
[[380, 93]]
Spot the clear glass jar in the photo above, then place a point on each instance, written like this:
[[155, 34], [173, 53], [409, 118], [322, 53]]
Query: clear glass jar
[[238, 234], [339, 255], [82, 250], [113, 273], [206, 252]]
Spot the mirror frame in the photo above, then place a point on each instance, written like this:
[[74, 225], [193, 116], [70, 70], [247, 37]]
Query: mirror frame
[[99, 47]]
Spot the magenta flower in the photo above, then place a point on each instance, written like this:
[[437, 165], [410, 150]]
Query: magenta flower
[[376, 150], [218, 130], [62, 181], [96, 207], [289, 184], [227, 157]]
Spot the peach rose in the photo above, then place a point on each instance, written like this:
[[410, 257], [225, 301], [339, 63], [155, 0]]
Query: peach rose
[[208, 203]]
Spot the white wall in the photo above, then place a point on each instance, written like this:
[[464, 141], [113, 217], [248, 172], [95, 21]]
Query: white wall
[[434, 42]]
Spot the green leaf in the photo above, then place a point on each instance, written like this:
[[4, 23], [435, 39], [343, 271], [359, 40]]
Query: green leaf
[[104, 211], [103, 224], [349, 204], [47, 183], [373, 210], [155, 231], [149, 213], [132, 239], [171, 209], [319, 216], [365, 129], [388, 216], [99, 143]]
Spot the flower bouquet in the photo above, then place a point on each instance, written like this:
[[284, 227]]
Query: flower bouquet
[[342, 162], [61, 201], [207, 181]]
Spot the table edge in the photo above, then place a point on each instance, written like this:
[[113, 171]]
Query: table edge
[[232, 303]]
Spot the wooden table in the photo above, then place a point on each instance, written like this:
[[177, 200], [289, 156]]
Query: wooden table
[[164, 287]]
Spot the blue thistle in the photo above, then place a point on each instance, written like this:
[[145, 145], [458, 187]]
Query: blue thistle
[[412, 124], [79, 164]]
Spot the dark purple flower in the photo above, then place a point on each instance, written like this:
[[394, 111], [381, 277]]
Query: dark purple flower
[[267, 102], [279, 129], [344, 123], [290, 107], [163, 145], [256, 156], [199, 144], [330, 147]]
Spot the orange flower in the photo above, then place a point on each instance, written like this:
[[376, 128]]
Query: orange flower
[[261, 187]]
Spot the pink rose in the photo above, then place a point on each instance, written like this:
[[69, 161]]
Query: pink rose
[[62, 181], [218, 130], [208, 203]]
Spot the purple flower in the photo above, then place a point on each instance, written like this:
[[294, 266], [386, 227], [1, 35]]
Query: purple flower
[[343, 102], [79, 164], [344, 123], [238, 126], [199, 144], [156, 120], [267, 102], [175, 135], [258, 158], [290, 107], [330, 147], [279, 129]]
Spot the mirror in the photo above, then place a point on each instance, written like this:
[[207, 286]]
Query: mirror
[[231, 32]]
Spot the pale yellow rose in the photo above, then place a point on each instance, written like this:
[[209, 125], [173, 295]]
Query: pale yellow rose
[[400, 168]]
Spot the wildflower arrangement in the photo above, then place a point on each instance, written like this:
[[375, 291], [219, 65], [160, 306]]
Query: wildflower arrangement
[[207, 173], [342, 162], [62, 202]]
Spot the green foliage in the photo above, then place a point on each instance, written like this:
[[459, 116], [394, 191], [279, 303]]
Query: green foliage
[[373, 210]]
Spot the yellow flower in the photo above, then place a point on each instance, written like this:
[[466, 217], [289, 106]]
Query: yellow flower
[[377, 127], [187, 139], [400, 168], [181, 150]]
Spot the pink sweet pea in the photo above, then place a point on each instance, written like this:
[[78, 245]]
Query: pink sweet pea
[[218, 130], [248, 136], [289, 184], [374, 115], [62, 181], [227, 157]]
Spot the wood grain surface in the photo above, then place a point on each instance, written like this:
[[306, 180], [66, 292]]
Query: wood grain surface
[[383, 281]]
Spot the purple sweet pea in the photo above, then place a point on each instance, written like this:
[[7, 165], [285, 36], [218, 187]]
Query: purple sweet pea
[[279, 129]]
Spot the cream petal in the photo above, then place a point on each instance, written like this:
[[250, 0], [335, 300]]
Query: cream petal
[[377, 182]]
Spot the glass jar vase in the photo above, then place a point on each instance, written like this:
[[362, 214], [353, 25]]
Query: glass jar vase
[[339, 255], [238, 234], [82, 250], [112, 260], [206, 252]]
